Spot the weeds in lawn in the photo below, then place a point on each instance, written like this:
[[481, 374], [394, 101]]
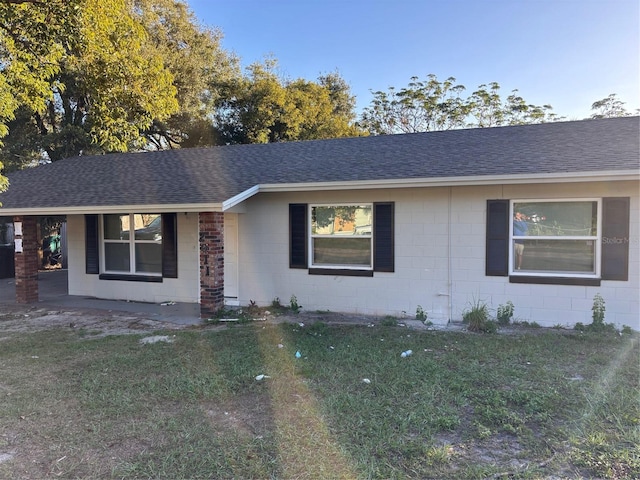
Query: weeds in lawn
[[477, 318], [293, 304], [505, 313], [389, 321], [548, 404]]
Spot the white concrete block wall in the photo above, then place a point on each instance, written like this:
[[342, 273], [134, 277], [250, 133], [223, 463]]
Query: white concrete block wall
[[185, 288], [426, 230]]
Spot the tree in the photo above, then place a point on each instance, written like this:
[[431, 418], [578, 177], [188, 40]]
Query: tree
[[264, 108], [430, 105], [609, 107], [33, 39], [422, 106], [85, 71], [202, 72]]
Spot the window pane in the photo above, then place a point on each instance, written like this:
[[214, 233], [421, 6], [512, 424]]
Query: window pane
[[347, 220], [559, 256], [148, 258], [148, 227], [116, 257], [558, 219], [342, 251], [116, 227]]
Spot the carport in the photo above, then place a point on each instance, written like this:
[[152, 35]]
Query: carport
[[53, 294]]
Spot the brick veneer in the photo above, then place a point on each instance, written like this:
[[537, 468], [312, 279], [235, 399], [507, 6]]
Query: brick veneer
[[211, 239], [27, 261]]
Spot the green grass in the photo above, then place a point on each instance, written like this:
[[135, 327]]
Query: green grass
[[552, 403]]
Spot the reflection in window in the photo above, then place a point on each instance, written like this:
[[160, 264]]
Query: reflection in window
[[133, 243], [555, 237], [341, 235]]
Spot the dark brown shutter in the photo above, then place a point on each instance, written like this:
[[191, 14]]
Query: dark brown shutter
[[169, 245], [298, 245], [92, 244], [497, 254], [615, 238], [383, 237]]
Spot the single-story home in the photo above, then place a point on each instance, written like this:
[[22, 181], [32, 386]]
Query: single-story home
[[374, 225]]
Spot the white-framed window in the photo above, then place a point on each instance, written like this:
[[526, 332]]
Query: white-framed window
[[341, 236], [132, 244], [558, 237]]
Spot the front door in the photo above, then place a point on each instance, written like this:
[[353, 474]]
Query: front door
[[231, 258]]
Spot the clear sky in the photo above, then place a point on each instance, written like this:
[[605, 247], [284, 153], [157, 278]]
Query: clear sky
[[567, 53]]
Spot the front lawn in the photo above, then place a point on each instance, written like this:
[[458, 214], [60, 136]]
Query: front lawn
[[547, 404]]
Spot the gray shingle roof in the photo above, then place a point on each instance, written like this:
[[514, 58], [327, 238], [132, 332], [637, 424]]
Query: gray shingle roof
[[213, 175]]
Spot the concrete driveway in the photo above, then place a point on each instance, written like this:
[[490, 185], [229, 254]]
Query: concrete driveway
[[53, 294]]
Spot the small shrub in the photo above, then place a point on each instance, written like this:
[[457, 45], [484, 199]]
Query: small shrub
[[275, 303], [421, 314], [505, 313], [293, 304], [597, 317], [477, 317], [627, 330], [598, 310], [389, 321]]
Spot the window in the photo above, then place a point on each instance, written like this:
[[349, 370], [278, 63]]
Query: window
[[133, 244], [565, 242], [341, 236], [555, 238], [342, 239], [144, 242]]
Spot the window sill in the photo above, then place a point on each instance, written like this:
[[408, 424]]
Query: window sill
[[344, 272], [131, 278], [587, 282]]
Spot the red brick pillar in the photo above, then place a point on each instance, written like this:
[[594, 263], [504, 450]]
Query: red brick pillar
[[27, 260], [211, 226]]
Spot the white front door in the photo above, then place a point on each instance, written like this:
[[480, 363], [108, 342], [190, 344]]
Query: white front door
[[231, 258]]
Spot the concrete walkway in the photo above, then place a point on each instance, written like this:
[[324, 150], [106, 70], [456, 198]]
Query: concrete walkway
[[53, 293]]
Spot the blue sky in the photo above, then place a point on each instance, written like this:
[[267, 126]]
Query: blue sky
[[567, 53]]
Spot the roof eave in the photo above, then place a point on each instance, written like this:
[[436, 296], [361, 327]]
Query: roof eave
[[604, 176], [105, 209]]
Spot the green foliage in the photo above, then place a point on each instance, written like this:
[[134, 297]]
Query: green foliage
[[275, 303], [477, 317], [505, 313], [431, 105], [609, 107], [293, 304], [598, 310], [263, 107], [389, 321], [597, 315], [626, 330], [421, 314], [103, 83]]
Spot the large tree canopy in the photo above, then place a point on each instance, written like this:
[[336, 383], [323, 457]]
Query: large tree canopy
[[431, 104], [85, 76], [262, 107]]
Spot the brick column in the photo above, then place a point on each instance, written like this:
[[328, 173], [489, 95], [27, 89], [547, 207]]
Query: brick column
[[211, 228], [27, 261]]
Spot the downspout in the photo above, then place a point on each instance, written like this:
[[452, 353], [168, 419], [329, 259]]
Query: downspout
[[449, 260]]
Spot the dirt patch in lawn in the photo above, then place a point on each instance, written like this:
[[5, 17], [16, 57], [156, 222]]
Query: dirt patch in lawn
[[24, 319], [96, 323]]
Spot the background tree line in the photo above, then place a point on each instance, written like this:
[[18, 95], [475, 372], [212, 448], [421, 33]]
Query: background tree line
[[94, 76]]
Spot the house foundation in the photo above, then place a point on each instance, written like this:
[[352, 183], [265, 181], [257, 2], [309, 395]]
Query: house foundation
[[26, 260], [211, 241]]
